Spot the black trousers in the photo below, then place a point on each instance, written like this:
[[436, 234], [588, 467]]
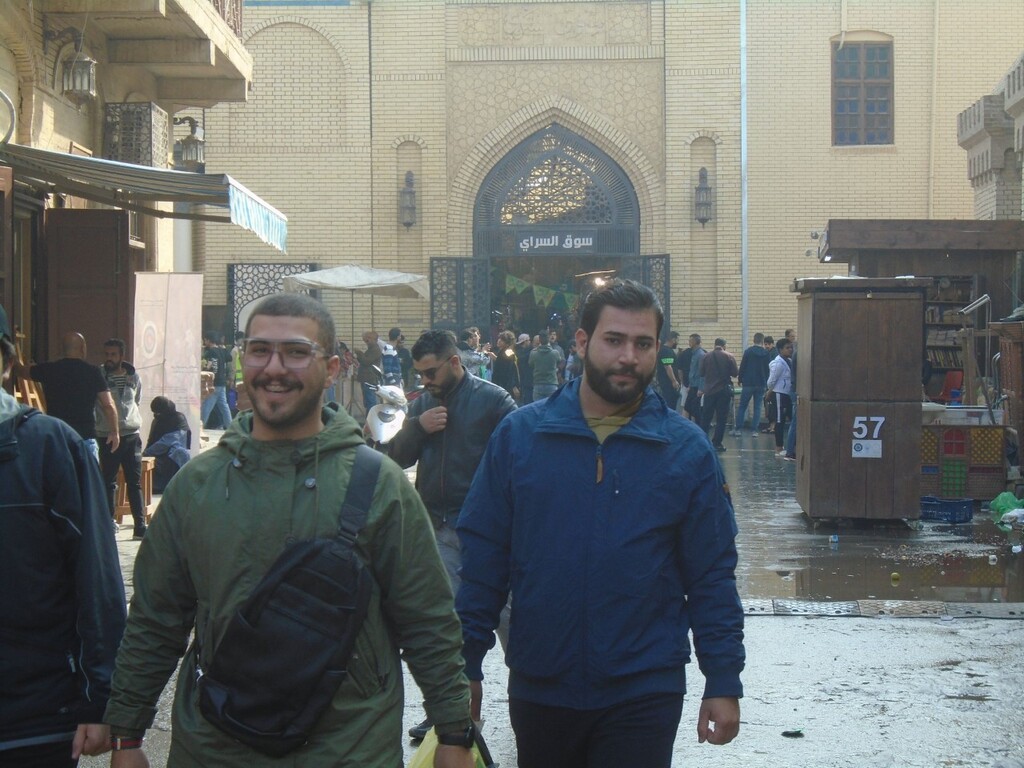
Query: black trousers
[[128, 457], [638, 733], [56, 754], [717, 406]]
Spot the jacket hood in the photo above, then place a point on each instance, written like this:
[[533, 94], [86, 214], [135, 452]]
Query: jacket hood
[[9, 407], [340, 431], [11, 414]]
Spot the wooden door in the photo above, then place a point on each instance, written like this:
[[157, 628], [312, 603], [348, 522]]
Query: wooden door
[[90, 278], [865, 345]]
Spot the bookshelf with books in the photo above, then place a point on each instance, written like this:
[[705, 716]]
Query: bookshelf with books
[[942, 322]]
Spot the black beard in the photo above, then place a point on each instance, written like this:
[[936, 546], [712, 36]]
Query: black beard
[[599, 382]]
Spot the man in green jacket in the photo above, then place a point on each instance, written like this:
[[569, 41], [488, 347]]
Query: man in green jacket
[[279, 475]]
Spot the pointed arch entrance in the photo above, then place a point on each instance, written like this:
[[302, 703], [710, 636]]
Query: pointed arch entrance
[[553, 217]]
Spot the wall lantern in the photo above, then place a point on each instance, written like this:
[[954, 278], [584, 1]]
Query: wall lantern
[[407, 201], [78, 71], [703, 199], [193, 154]]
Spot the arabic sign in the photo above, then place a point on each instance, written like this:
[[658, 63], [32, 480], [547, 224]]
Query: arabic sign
[[569, 241]]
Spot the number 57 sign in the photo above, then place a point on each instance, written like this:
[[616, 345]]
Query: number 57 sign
[[867, 434]]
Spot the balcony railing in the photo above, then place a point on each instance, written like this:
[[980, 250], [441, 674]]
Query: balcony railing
[[231, 12]]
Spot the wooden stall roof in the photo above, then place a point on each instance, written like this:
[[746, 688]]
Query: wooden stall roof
[[844, 239], [842, 283]]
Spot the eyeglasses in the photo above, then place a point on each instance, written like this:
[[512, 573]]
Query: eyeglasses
[[296, 354], [431, 373]]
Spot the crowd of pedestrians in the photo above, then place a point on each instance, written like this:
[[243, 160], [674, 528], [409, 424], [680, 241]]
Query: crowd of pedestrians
[[700, 384]]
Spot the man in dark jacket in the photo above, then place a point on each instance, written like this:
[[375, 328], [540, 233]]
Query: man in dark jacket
[[62, 610], [446, 431], [718, 367], [753, 376], [607, 587]]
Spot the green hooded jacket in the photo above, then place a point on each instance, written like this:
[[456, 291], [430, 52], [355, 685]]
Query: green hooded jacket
[[223, 520]]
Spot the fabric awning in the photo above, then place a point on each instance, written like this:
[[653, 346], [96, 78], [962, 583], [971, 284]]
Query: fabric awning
[[138, 187]]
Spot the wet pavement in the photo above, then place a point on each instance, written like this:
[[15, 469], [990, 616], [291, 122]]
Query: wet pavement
[[942, 688], [784, 554]]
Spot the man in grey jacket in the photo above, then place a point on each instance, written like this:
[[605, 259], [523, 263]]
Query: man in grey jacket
[[126, 389], [544, 362]]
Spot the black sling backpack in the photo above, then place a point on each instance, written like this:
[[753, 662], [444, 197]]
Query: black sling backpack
[[286, 650]]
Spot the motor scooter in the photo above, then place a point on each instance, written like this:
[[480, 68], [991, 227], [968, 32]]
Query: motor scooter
[[384, 420]]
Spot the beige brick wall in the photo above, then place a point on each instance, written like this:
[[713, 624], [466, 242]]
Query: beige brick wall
[[455, 85]]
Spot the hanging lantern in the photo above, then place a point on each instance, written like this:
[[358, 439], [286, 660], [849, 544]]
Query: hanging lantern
[[79, 77], [703, 200], [407, 201]]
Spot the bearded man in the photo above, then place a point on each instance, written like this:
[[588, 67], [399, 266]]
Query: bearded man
[[609, 579]]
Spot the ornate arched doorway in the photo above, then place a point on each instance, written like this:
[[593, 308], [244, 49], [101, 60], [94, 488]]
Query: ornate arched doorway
[[553, 217]]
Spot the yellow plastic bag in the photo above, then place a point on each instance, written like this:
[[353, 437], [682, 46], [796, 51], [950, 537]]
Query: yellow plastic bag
[[423, 757]]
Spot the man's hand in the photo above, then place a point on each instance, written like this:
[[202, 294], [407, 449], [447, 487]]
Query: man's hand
[[129, 758], [90, 739], [113, 441], [476, 697], [434, 419], [453, 757], [719, 720]]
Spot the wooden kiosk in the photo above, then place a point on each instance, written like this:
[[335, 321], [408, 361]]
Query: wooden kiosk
[[963, 260], [859, 386]]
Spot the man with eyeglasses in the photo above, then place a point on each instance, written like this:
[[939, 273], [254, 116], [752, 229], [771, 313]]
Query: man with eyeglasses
[[279, 475], [446, 431]]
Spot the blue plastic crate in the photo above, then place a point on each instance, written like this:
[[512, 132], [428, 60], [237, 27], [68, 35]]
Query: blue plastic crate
[[947, 510]]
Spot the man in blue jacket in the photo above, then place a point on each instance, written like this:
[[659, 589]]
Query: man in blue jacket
[[753, 377], [606, 590]]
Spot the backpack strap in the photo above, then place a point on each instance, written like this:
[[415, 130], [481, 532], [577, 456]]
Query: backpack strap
[[358, 497]]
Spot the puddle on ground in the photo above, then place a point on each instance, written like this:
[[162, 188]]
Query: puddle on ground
[[783, 554]]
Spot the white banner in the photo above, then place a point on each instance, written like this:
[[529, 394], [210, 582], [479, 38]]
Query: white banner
[[169, 343]]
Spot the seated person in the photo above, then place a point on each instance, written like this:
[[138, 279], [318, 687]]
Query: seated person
[[169, 441]]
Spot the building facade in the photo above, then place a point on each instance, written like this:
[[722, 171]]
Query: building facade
[[517, 150], [88, 82]]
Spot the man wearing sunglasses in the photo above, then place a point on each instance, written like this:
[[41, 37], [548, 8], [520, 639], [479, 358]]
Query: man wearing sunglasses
[[447, 432], [278, 476]]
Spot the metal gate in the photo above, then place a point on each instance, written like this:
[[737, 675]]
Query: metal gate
[[460, 294], [652, 271], [460, 290]]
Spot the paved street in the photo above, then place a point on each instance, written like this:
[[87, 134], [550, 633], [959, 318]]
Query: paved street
[[917, 671]]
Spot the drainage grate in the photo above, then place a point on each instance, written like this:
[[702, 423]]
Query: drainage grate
[[901, 608], [815, 608], [986, 610], [758, 606]]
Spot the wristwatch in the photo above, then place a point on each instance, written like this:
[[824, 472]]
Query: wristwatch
[[464, 738]]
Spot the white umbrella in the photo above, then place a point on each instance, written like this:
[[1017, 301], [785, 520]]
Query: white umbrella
[[356, 278]]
